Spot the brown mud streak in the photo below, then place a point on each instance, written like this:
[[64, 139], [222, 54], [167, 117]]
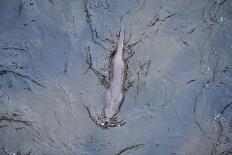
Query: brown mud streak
[[129, 148], [9, 119], [4, 70], [95, 37]]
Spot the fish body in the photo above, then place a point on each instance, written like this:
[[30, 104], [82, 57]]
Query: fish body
[[115, 93]]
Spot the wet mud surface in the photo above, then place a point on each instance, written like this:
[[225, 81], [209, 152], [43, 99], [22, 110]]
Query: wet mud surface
[[179, 83]]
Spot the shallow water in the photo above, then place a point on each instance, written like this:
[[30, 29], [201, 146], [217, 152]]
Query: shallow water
[[180, 101]]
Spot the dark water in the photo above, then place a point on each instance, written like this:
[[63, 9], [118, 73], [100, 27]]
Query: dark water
[[180, 101]]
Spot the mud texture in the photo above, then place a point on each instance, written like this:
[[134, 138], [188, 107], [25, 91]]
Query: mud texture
[[54, 57]]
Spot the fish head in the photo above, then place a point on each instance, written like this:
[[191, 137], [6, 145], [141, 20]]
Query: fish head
[[113, 103], [110, 115], [110, 119]]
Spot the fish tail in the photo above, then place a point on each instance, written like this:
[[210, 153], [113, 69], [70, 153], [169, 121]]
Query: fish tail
[[121, 39]]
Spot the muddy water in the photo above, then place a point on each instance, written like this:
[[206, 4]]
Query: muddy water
[[180, 74]]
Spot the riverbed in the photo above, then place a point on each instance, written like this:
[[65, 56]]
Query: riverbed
[[179, 79]]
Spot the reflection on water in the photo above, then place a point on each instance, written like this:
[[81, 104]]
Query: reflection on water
[[179, 92]]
